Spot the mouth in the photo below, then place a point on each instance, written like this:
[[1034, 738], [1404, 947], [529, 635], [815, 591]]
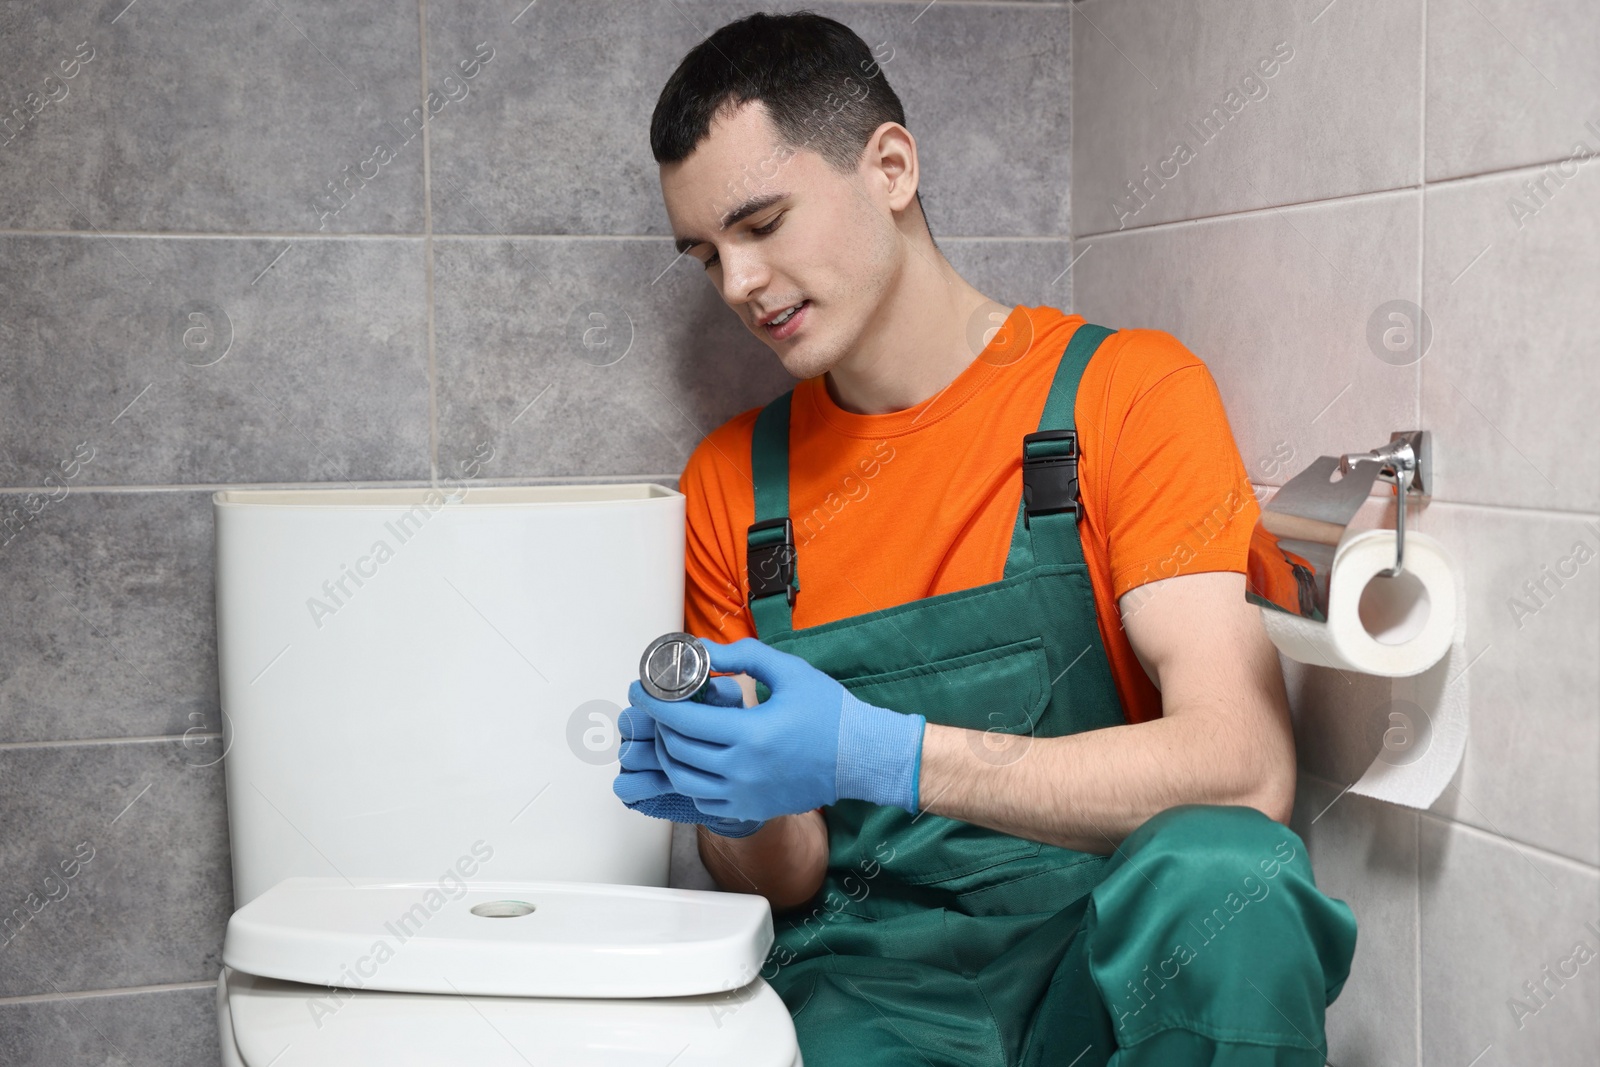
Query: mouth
[[786, 322]]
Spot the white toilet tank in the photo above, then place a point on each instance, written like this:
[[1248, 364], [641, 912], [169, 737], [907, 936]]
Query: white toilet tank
[[420, 687]]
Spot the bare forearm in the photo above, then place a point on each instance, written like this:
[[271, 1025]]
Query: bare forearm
[[783, 861], [1089, 790]]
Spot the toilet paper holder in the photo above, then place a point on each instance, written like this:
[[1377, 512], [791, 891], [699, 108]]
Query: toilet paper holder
[[1298, 533]]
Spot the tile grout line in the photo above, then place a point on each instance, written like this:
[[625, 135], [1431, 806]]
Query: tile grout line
[[1576, 514], [401, 483], [123, 991], [213, 235], [427, 249], [312, 235], [269, 235], [1386, 494], [1072, 127], [1557, 858], [146, 739], [1254, 212], [1416, 933], [1417, 187], [1422, 276], [1422, 209], [1545, 853]]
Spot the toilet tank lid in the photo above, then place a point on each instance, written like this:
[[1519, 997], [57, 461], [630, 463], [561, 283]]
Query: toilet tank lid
[[528, 939]]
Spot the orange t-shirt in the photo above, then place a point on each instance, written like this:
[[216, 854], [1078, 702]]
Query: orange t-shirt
[[915, 503]]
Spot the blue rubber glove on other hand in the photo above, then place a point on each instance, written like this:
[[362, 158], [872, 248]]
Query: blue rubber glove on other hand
[[642, 786], [811, 743]]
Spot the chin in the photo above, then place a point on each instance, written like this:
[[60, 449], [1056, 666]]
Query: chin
[[807, 364]]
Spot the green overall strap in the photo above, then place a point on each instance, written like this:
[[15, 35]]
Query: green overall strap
[[770, 562], [1046, 529]]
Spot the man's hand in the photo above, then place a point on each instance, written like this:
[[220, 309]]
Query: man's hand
[[809, 744], [642, 786]]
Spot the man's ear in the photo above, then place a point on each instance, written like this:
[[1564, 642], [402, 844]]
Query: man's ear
[[891, 159]]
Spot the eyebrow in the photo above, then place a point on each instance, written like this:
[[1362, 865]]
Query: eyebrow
[[743, 211]]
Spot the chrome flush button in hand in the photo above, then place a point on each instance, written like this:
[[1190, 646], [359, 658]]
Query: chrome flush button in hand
[[675, 666]]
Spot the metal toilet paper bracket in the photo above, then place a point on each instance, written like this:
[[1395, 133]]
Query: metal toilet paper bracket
[[1294, 542]]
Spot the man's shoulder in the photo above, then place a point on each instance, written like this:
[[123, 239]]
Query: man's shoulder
[[1129, 362], [1145, 356]]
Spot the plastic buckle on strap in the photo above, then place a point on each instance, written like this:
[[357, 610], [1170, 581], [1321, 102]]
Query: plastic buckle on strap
[[1050, 473], [770, 566]]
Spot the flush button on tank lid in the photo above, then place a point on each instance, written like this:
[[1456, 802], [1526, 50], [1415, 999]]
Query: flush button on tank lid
[[674, 666], [503, 909]]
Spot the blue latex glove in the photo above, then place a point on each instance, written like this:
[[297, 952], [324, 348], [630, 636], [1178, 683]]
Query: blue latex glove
[[642, 786], [811, 743]]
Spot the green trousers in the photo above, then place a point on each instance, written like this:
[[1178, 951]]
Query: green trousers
[[1206, 942]]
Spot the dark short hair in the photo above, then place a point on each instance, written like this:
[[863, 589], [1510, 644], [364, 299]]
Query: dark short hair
[[820, 84]]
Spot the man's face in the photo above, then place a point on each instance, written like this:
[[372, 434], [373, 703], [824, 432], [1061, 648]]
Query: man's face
[[807, 234]]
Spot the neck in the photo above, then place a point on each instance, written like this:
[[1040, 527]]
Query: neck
[[919, 341]]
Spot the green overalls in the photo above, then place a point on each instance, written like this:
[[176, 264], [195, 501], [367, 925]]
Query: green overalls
[[1202, 939]]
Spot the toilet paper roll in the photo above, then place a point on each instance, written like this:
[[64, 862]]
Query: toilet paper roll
[[1411, 628]]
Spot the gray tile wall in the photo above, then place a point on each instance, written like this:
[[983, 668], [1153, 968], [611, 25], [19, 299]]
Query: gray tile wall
[[212, 277], [1437, 152]]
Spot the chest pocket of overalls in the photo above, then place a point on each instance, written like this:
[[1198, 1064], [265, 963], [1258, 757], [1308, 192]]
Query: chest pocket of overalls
[[1004, 689]]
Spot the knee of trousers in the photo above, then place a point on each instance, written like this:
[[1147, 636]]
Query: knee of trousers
[[1209, 918]]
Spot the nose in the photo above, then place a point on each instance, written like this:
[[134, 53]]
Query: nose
[[743, 275]]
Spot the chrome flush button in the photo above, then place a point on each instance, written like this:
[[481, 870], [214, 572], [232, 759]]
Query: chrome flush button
[[674, 666]]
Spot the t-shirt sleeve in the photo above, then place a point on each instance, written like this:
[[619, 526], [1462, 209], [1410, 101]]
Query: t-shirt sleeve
[[1180, 500], [713, 592]]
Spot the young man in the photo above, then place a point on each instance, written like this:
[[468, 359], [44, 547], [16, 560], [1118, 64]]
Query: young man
[[1017, 790]]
